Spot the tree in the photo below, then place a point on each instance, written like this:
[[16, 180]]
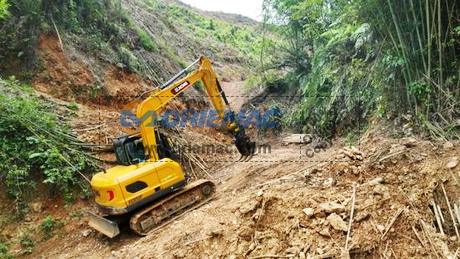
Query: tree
[[4, 9]]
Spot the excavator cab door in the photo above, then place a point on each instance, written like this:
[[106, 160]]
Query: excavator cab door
[[129, 150]]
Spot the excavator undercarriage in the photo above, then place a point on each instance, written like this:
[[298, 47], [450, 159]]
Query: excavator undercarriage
[[158, 214]]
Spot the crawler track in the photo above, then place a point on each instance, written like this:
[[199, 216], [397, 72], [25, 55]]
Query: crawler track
[[161, 213]]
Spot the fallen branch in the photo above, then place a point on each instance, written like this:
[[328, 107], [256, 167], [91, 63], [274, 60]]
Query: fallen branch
[[272, 256], [59, 35], [391, 223], [456, 253], [88, 129], [418, 237], [391, 155], [198, 240], [351, 217], [440, 213], [457, 212], [424, 230], [285, 177], [438, 218], [450, 211], [324, 256], [453, 176]]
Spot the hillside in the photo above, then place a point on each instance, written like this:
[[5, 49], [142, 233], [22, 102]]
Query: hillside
[[146, 42]]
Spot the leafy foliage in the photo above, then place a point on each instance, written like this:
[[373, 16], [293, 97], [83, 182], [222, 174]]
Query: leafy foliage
[[49, 225], [353, 60], [4, 9], [35, 146], [4, 254], [27, 244]]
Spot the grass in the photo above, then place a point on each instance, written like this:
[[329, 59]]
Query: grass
[[4, 251], [48, 227]]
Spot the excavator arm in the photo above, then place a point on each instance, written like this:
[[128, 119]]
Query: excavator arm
[[177, 85]]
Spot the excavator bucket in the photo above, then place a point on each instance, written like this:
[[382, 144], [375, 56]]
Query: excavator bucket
[[103, 225], [243, 143]]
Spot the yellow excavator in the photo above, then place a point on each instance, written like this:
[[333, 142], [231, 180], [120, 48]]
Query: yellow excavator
[[148, 187]]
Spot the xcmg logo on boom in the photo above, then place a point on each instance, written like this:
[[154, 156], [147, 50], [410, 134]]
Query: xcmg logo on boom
[[203, 118]]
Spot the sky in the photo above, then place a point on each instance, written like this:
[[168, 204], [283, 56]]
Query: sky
[[249, 8]]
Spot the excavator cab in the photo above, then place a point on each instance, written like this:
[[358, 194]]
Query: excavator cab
[[129, 150]]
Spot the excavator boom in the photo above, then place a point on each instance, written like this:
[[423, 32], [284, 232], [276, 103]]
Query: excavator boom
[[176, 85]]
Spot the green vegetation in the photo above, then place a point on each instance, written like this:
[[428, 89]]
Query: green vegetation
[[4, 254], [3, 9], [379, 58], [152, 38], [36, 146], [145, 40], [27, 244], [48, 227]]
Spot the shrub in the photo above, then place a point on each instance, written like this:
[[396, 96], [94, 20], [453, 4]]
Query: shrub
[[36, 147]]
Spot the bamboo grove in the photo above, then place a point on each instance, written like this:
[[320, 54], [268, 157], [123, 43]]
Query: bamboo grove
[[354, 61]]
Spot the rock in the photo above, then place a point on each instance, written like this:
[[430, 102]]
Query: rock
[[37, 207], [361, 216], [302, 255], [329, 182], [309, 212], [249, 206], [448, 145], [217, 233], [325, 232], [396, 148], [453, 238], [330, 207], [354, 170], [411, 142], [344, 254], [292, 250], [337, 222], [452, 163], [245, 233], [376, 181], [86, 232], [353, 153], [319, 251], [381, 228]]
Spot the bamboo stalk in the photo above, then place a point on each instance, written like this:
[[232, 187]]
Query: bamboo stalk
[[351, 218], [425, 232], [428, 33], [457, 213], [440, 213], [450, 211], [418, 35], [391, 223], [440, 44], [437, 217]]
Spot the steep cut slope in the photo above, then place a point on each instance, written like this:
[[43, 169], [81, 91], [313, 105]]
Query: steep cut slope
[[85, 46]]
